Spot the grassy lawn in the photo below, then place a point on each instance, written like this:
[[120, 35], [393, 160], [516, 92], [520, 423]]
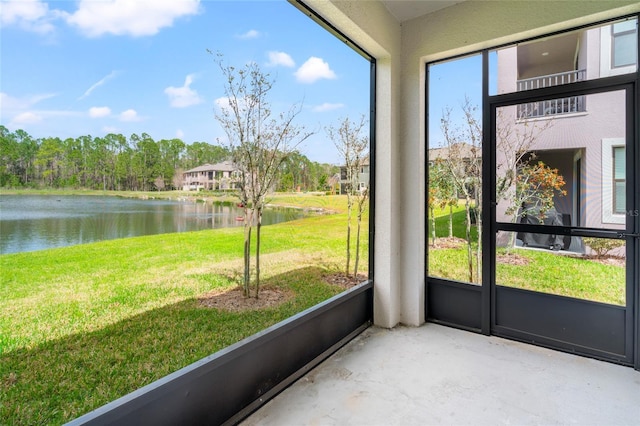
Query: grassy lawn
[[84, 325], [548, 272], [538, 270]]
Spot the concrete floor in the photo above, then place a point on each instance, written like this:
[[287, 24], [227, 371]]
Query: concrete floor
[[440, 375]]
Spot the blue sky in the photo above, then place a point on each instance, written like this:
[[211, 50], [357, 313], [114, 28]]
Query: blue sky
[[73, 68], [450, 82]]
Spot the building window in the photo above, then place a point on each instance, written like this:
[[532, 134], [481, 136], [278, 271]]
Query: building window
[[619, 48], [613, 180], [623, 44], [619, 186]]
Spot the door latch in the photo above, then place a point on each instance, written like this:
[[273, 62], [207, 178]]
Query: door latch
[[625, 235]]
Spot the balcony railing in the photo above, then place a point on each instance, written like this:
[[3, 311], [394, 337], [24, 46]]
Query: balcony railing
[[552, 107]]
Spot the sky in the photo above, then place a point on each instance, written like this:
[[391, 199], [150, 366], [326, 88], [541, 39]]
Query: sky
[[450, 83], [87, 67]]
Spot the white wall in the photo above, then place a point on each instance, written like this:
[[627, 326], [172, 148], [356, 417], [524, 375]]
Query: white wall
[[402, 51]]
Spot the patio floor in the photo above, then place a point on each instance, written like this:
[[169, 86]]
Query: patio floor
[[439, 375]]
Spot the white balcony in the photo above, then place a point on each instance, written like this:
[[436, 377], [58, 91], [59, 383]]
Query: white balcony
[[553, 107]]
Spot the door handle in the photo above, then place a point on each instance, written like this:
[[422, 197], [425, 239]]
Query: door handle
[[625, 235]]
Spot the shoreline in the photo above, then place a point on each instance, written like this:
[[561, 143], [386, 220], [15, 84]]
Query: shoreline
[[183, 196]]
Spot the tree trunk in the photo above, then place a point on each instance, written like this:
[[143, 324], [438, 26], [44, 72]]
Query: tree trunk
[[467, 206], [479, 224], [432, 218], [357, 260], [247, 252], [450, 221], [349, 207], [258, 228], [479, 248]]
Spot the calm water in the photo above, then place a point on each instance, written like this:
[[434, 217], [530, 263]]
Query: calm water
[[29, 223]]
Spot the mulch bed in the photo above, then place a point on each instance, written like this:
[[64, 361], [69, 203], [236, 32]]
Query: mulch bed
[[233, 300], [512, 259], [448, 243], [343, 281]]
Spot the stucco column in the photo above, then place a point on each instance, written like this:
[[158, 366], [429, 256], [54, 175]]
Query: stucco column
[[387, 283]]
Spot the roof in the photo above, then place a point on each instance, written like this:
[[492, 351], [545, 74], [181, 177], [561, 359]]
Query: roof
[[459, 150], [225, 166]]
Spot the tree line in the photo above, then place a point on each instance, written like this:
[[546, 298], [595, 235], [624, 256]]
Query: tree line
[[134, 163]]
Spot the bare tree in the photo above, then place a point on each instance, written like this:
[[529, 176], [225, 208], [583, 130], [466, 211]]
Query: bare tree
[[442, 193], [517, 183], [463, 160], [361, 203], [515, 138], [353, 147], [259, 141]]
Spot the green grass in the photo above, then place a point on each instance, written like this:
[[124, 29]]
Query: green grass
[[459, 223], [564, 275], [84, 325], [543, 271]]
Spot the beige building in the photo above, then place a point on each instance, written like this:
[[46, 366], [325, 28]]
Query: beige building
[[221, 176], [582, 136]]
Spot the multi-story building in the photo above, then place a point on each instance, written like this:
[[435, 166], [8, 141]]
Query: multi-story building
[[583, 136], [220, 176], [360, 176]]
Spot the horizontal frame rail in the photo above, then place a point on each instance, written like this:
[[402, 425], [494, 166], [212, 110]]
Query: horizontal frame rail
[[230, 384]]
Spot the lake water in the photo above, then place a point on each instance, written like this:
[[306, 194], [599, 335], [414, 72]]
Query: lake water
[[29, 222]]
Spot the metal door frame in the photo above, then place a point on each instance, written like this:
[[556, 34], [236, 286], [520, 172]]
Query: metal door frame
[[514, 313], [471, 307]]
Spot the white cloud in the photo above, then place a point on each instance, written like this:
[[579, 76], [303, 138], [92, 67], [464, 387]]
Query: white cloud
[[280, 58], [182, 97], [249, 35], [224, 103], [130, 115], [97, 112], [327, 107], [127, 17], [28, 117], [30, 15], [110, 129], [313, 70], [21, 111], [11, 103], [98, 84], [179, 134]]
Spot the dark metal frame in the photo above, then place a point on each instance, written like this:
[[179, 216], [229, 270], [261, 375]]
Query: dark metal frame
[[229, 385], [592, 329], [454, 303], [304, 8]]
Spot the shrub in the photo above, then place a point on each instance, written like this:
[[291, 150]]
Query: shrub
[[602, 246]]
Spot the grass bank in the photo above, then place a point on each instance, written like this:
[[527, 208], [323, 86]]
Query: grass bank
[[84, 325], [311, 200], [546, 271]]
